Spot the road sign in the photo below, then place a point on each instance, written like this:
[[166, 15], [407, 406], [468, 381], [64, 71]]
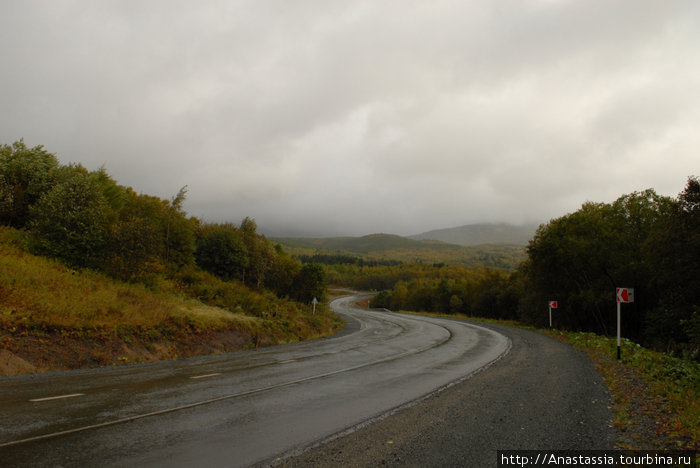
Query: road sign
[[552, 305], [624, 295]]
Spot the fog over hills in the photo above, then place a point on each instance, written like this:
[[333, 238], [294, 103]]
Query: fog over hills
[[403, 249], [482, 233], [467, 235]]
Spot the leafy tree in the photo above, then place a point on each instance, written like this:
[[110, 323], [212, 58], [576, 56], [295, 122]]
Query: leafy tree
[[260, 254], [221, 251], [399, 297], [642, 240], [179, 232], [115, 195], [673, 254], [6, 199], [310, 282], [25, 174], [283, 270], [382, 299], [69, 221], [455, 304]]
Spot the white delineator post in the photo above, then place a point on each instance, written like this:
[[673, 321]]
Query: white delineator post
[[552, 305]]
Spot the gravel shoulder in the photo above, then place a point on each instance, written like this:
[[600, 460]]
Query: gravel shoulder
[[541, 395]]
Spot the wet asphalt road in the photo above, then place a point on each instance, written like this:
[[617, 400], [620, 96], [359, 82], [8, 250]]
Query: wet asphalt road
[[241, 408], [542, 396]]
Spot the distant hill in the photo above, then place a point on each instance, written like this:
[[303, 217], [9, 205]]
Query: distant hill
[[393, 247], [372, 243], [485, 233]]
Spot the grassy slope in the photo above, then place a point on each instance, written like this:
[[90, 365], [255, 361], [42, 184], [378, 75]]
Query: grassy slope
[[52, 317]]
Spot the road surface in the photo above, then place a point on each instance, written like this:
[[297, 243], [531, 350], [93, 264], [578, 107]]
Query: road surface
[[239, 409], [542, 396]]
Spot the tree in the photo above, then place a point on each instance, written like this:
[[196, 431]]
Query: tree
[[179, 232], [643, 241], [281, 274], [673, 253], [221, 251], [25, 174], [115, 195], [260, 254], [69, 221], [310, 282], [455, 304], [399, 296]]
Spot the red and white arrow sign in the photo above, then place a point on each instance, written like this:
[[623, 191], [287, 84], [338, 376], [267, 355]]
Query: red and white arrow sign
[[624, 295], [553, 304]]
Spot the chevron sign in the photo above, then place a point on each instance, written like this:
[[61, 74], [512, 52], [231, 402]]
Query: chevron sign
[[624, 295]]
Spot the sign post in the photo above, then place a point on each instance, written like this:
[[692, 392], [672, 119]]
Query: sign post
[[314, 302], [552, 305], [622, 295]]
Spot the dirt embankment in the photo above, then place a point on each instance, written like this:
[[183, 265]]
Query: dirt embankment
[[30, 351]]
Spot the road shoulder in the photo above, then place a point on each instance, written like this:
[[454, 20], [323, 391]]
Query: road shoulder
[[542, 395]]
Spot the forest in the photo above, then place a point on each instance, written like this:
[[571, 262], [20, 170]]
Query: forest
[[642, 240], [87, 220], [388, 248]]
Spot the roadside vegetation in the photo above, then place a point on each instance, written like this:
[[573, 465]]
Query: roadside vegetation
[[85, 258], [656, 396], [642, 241]]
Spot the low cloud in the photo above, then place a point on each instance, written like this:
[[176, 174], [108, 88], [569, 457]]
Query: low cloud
[[350, 118]]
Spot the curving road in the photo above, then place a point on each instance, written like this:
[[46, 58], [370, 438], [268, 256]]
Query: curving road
[[241, 408]]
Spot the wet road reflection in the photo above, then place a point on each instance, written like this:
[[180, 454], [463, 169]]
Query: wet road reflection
[[240, 408]]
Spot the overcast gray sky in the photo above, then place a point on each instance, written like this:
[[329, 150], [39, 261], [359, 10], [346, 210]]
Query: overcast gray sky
[[353, 117]]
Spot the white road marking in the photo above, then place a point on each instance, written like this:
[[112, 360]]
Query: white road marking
[[57, 397], [205, 376], [264, 389], [287, 361]]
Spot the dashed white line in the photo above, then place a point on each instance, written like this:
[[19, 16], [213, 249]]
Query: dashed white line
[[58, 397], [205, 376], [287, 361]]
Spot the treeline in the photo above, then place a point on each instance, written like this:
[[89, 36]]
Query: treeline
[[643, 241], [340, 259], [87, 220], [474, 292], [386, 277]]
